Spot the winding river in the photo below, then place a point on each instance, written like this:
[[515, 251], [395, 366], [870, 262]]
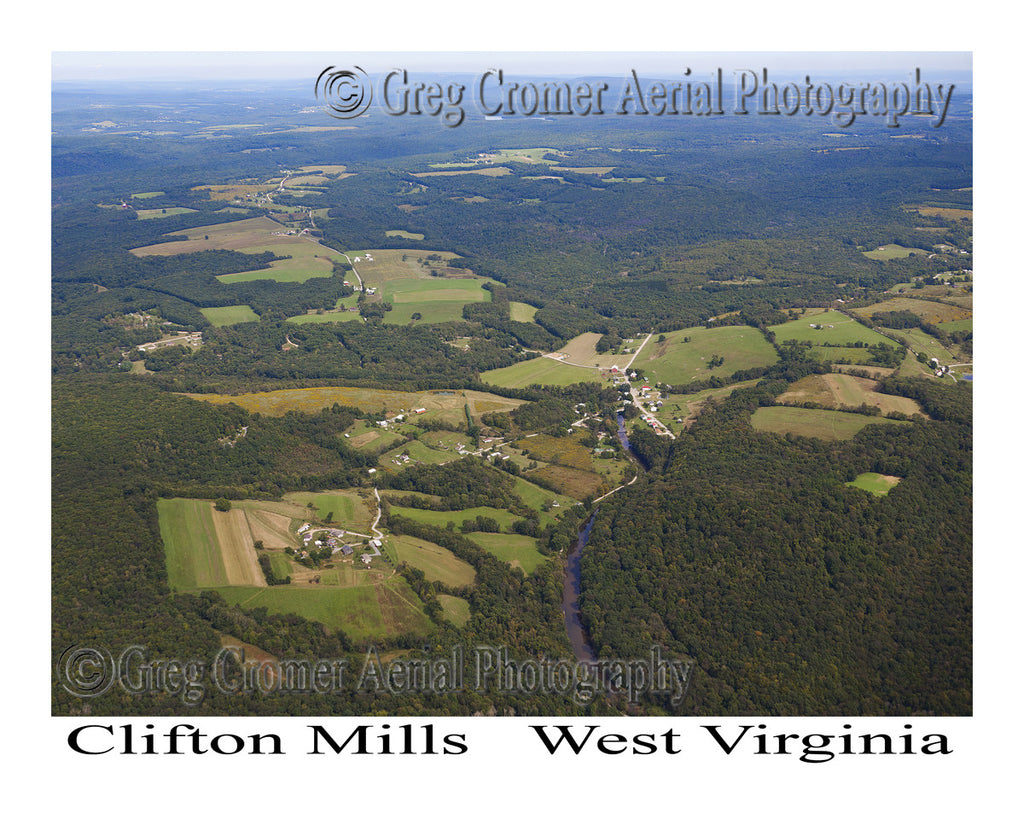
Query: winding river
[[571, 582]]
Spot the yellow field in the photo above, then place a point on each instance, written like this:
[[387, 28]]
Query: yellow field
[[314, 399], [254, 235], [388, 264], [932, 312], [835, 390], [489, 171]]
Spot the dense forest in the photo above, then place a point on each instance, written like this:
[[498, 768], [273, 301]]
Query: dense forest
[[742, 551]]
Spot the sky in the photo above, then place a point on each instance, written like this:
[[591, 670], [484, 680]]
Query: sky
[[245, 65]]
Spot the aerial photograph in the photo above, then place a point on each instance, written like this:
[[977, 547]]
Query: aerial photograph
[[485, 384]]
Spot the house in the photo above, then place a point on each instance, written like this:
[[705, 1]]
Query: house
[[346, 549]]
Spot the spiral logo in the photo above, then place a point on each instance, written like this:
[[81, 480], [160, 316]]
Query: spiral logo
[[346, 93], [86, 672]]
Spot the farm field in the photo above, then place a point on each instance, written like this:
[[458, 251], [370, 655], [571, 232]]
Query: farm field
[[404, 234], [456, 609], [160, 213], [396, 263], [436, 562], [516, 550], [564, 451], [874, 483], [575, 483], [829, 425], [835, 329], [521, 311], [349, 508], [932, 312], [491, 170], [834, 391], [441, 519], [206, 548], [309, 258], [674, 361], [966, 324], [388, 608], [892, 252], [921, 342], [442, 404], [226, 316], [540, 370]]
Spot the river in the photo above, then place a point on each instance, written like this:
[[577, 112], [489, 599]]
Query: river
[[571, 585]]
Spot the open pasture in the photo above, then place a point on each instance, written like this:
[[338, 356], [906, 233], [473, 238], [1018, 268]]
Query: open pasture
[[829, 425], [835, 390], [516, 550], [160, 213], [348, 508], [576, 483], [456, 609], [308, 258], [675, 361], [386, 608], [886, 252], [874, 482], [565, 451], [226, 316], [520, 311], [933, 312], [441, 519], [828, 328], [490, 170], [448, 405], [436, 562], [390, 264], [206, 548], [540, 370]]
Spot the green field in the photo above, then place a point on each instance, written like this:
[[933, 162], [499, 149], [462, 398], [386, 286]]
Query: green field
[[226, 316], [874, 483], [456, 609], [830, 425], [436, 562], [829, 328], [541, 370], [958, 326], [440, 519], [436, 300], [444, 405], [675, 361], [160, 213], [892, 252], [190, 544], [362, 612], [418, 453], [306, 258], [404, 234], [921, 342], [521, 311], [347, 507], [517, 550]]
